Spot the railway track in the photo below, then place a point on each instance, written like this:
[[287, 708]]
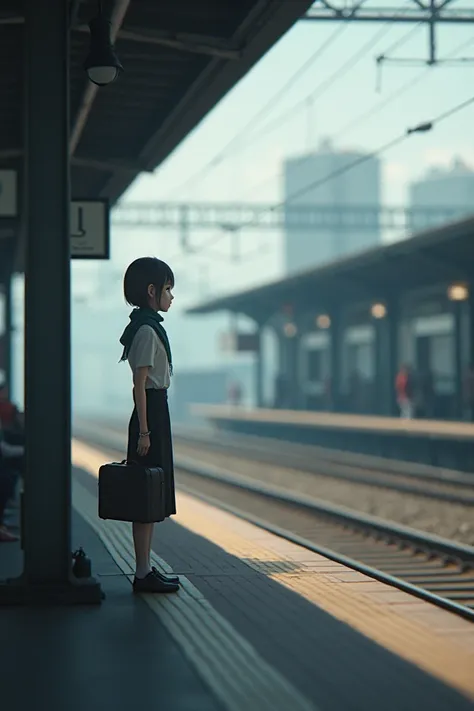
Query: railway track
[[427, 566], [407, 477]]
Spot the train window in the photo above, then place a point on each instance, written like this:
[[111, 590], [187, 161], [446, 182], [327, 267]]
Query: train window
[[442, 363], [315, 365], [360, 360]]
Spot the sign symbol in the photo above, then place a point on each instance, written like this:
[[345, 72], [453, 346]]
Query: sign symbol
[[80, 231], [89, 229]]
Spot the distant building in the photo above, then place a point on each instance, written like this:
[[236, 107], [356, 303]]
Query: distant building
[[359, 186], [451, 187]]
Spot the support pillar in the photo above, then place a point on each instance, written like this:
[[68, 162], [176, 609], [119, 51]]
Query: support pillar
[[458, 307], [380, 402], [469, 352], [46, 520], [8, 331], [8, 326], [336, 354], [258, 368], [47, 543], [287, 385], [281, 381], [386, 361], [294, 390], [470, 329], [393, 348]]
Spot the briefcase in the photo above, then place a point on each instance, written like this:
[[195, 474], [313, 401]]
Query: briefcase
[[131, 492]]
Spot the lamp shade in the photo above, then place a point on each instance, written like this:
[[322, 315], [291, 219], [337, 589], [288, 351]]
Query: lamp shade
[[102, 64]]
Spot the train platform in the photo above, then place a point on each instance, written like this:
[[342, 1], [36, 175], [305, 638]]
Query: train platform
[[116, 656], [440, 443], [259, 623]]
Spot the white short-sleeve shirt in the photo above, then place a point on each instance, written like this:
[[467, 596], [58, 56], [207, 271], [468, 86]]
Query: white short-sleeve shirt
[[147, 351]]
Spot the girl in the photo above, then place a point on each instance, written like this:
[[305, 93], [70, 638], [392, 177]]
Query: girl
[[147, 286]]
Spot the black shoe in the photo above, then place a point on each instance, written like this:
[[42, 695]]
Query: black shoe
[[152, 584], [165, 578]]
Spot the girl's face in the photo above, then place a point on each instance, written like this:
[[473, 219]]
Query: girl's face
[[162, 302], [166, 298]]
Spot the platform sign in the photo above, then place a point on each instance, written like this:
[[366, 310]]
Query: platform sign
[[90, 229], [8, 193]]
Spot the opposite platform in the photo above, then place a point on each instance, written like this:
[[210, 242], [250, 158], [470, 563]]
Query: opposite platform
[[433, 442], [441, 429]]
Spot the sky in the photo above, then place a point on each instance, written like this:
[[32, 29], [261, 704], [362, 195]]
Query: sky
[[344, 85]]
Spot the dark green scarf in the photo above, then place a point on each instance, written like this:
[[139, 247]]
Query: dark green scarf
[[145, 317]]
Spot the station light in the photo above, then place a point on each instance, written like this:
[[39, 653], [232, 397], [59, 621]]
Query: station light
[[290, 330], [323, 321], [458, 292], [102, 64], [378, 311]]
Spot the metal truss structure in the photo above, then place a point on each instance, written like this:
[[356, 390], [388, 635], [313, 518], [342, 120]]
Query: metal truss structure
[[234, 217], [429, 12]]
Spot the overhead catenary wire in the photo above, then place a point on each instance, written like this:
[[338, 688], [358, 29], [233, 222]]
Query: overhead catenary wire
[[365, 115], [373, 111], [236, 142], [380, 105], [395, 45], [263, 111], [315, 184], [402, 40], [204, 246], [323, 87], [419, 128]]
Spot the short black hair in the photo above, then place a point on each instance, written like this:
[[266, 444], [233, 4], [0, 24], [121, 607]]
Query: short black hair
[[140, 274]]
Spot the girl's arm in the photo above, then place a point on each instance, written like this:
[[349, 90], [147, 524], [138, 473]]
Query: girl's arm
[[139, 379]]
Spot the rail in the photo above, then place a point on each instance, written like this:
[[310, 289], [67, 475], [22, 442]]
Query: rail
[[419, 480]]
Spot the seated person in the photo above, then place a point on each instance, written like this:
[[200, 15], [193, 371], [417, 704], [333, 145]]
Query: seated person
[[12, 440], [11, 419], [8, 481]]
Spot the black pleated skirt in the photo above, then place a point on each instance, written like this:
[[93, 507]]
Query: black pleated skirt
[[160, 453]]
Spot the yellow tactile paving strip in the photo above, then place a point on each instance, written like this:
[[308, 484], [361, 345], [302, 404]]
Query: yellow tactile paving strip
[[435, 640]]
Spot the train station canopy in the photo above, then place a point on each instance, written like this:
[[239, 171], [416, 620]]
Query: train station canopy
[[180, 57], [436, 256]]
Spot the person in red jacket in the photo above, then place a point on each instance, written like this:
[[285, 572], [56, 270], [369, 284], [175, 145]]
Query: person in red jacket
[[405, 390]]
